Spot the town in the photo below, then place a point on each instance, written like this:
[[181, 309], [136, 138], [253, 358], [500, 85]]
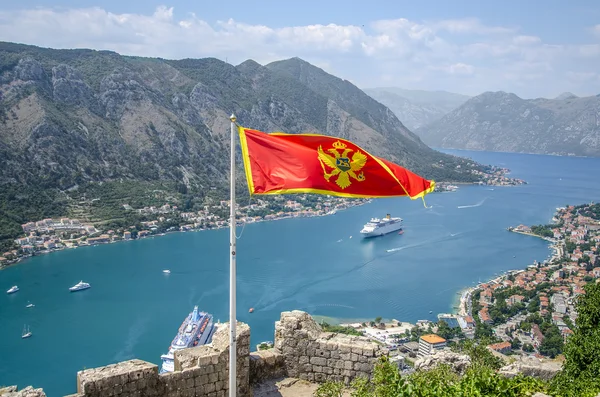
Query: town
[[50, 235], [527, 312]]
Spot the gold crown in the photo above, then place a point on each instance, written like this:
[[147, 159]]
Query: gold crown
[[339, 145]]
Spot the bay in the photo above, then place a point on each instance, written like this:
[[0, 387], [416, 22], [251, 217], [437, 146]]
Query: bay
[[133, 309]]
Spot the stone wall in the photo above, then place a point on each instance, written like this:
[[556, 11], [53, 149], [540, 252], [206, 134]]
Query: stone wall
[[12, 391], [314, 355], [266, 365], [199, 371], [302, 350]]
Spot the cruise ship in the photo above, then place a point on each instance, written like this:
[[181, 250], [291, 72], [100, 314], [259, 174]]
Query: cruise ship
[[197, 329], [379, 227]]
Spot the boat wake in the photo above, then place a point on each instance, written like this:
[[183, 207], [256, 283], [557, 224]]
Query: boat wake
[[136, 330], [326, 305], [479, 204]]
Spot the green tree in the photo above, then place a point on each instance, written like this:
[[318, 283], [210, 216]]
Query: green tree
[[581, 371], [444, 330], [377, 320], [528, 347]]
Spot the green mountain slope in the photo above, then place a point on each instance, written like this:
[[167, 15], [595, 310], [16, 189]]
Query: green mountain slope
[[77, 124]]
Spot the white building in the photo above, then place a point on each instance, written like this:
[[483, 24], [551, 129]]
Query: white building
[[429, 343]]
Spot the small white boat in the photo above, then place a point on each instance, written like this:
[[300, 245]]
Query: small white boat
[[12, 289], [167, 271], [79, 286], [30, 305], [26, 332]]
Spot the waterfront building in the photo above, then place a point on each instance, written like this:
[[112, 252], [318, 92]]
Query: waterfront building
[[430, 343]]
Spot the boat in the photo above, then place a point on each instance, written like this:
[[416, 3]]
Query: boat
[[167, 271], [30, 305], [12, 289], [265, 345], [251, 310], [197, 329], [26, 332], [79, 286], [379, 227]]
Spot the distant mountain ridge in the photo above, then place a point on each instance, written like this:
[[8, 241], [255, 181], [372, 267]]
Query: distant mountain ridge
[[500, 121], [416, 108]]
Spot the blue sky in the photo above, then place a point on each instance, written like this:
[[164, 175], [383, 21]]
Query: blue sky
[[531, 48]]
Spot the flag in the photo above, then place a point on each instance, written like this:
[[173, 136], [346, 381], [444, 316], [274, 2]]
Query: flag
[[280, 163]]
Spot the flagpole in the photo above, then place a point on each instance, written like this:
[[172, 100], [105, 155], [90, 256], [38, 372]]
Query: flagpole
[[232, 270]]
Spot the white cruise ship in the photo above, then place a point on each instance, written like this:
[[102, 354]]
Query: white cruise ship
[[379, 227]]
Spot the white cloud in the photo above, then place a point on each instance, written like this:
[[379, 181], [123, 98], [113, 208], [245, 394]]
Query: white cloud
[[463, 55], [471, 25], [526, 40]]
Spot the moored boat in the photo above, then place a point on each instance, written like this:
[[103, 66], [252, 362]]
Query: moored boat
[[26, 332], [12, 289], [79, 286]]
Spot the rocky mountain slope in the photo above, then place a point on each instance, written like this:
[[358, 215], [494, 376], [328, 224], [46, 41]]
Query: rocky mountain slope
[[74, 118], [416, 108], [500, 121]]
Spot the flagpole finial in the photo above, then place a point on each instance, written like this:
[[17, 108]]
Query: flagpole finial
[[232, 118]]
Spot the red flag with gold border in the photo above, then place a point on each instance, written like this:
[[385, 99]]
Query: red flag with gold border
[[280, 163]]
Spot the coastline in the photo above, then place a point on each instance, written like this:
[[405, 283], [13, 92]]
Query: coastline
[[223, 226], [556, 245]]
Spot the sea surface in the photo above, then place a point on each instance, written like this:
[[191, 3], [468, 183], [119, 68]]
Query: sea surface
[[320, 265]]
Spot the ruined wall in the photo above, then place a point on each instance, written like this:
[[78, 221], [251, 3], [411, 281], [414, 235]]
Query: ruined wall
[[314, 355], [12, 391], [265, 365], [302, 350], [199, 371]]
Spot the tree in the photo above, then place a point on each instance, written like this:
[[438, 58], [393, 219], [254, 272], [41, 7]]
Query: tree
[[528, 347], [377, 320], [534, 305], [515, 343], [581, 371], [444, 330]]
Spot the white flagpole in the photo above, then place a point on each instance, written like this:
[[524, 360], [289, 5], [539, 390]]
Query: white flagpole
[[232, 270]]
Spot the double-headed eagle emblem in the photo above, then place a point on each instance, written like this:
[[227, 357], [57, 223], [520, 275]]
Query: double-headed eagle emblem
[[342, 165]]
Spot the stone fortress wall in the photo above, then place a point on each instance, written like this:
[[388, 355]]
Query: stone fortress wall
[[302, 350]]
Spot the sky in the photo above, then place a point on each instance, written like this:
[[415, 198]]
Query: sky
[[531, 48]]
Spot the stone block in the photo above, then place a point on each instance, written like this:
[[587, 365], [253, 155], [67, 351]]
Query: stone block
[[318, 361], [209, 388], [322, 353]]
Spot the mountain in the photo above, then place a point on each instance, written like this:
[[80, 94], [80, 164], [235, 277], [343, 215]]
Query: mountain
[[566, 95], [83, 132], [500, 121], [416, 108]]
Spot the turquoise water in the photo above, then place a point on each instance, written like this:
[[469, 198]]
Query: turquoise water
[[134, 310]]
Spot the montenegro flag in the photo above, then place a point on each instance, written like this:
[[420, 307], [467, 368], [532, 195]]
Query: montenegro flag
[[280, 163]]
